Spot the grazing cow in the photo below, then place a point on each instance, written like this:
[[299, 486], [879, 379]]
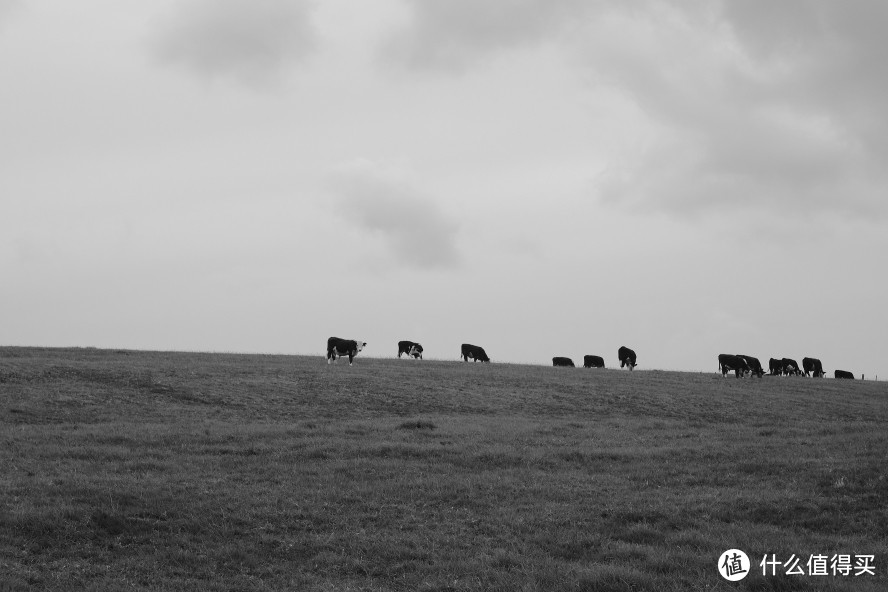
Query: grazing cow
[[560, 361], [473, 351], [844, 374], [410, 348], [754, 365], [813, 365], [775, 367], [627, 357], [728, 362], [791, 367], [337, 348], [593, 362]]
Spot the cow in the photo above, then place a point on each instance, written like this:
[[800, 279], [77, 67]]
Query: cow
[[813, 365], [627, 357], [844, 374], [560, 361], [473, 351], [410, 348], [791, 367], [728, 362], [593, 362], [337, 347], [754, 365], [775, 367]]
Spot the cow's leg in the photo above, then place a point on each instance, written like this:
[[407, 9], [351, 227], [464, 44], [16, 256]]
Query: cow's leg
[[351, 356]]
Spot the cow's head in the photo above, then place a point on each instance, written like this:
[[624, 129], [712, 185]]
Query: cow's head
[[415, 350], [361, 344]]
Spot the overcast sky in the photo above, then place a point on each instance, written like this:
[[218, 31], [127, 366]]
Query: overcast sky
[[539, 177]]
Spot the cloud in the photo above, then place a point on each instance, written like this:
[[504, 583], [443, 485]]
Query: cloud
[[749, 117], [418, 234], [748, 105], [454, 34], [251, 41]]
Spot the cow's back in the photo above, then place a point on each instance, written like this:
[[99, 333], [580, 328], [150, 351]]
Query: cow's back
[[593, 362]]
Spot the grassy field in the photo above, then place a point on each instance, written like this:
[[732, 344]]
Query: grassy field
[[160, 471]]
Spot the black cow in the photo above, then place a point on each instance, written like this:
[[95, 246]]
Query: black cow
[[754, 365], [844, 374], [791, 367], [728, 362], [410, 348], [593, 362], [473, 351], [337, 347], [775, 367], [560, 361], [627, 357], [813, 365]]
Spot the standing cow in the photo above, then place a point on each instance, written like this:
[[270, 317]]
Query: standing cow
[[844, 374], [593, 362], [728, 362], [791, 367], [475, 352], [775, 367], [754, 365], [410, 348], [337, 348], [561, 361], [810, 365], [627, 357]]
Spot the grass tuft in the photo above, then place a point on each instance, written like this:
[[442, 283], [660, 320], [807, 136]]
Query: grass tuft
[[417, 424]]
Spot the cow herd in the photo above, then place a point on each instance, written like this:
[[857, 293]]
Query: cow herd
[[627, 358], [739, 364], [340, 348], [747, 365]]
